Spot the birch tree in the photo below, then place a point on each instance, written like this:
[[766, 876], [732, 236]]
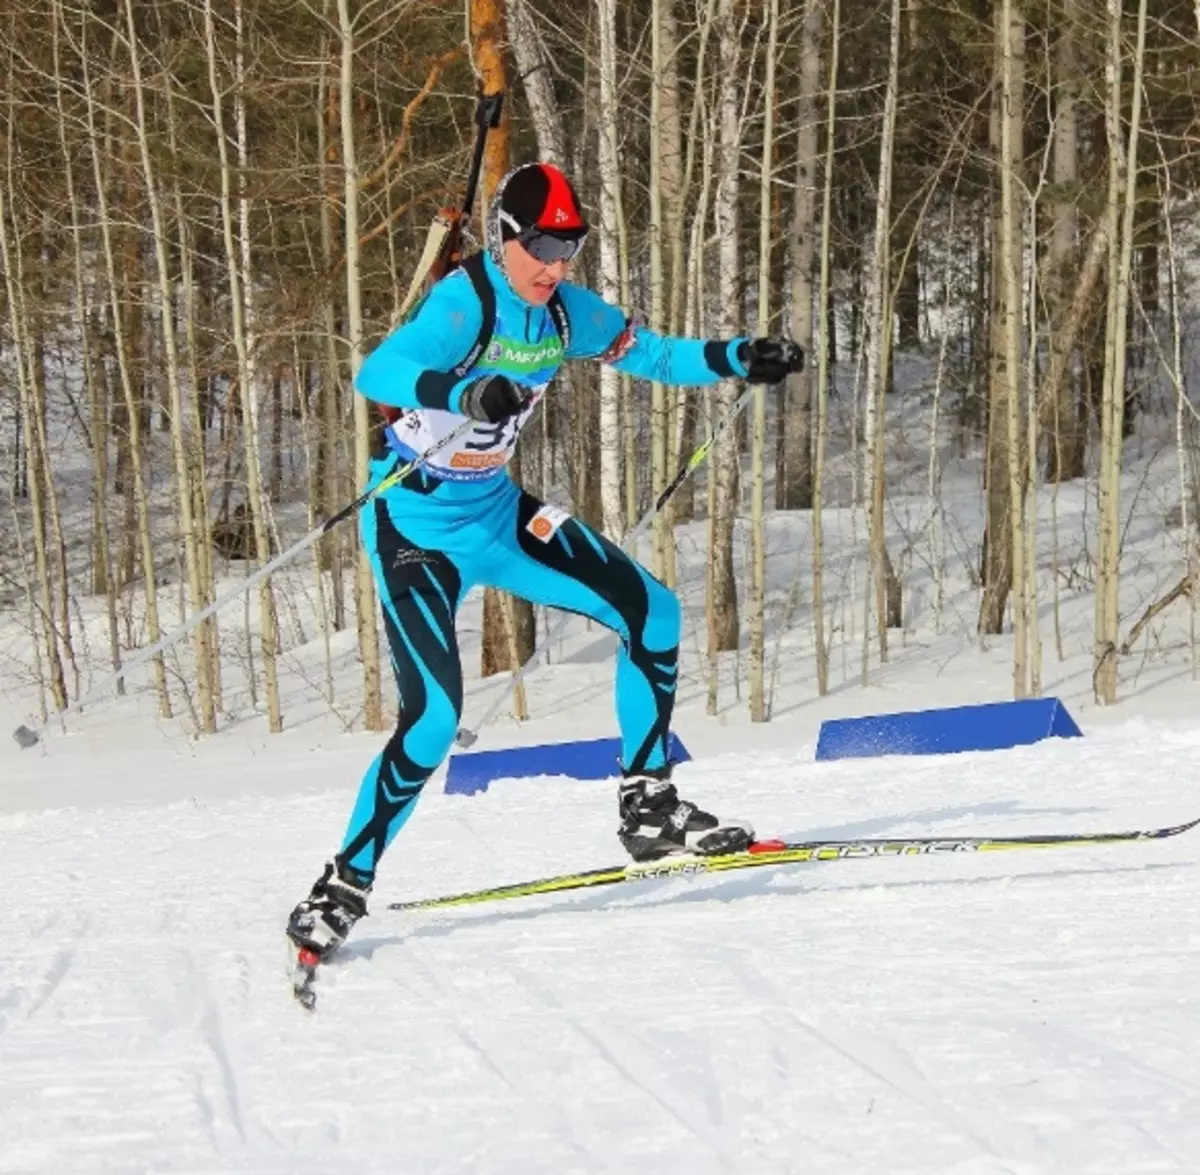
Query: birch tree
[[1068, 425], [364, 587], [121, 346], [179, 429], [1008, 376], [794, 489], [29, 408], [508, 624], [758, 536], [879, 333], [102, 577], [237, 263], [664, 550], [686, 263], [1122, 194], [722, 596], [330, 550], [611, 216], [1003, 374], [818, 489]]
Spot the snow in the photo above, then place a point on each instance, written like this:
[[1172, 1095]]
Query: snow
[[1023, 1012]]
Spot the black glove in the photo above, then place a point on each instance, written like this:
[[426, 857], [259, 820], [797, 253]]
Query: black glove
[[768, 361], [491, 399]]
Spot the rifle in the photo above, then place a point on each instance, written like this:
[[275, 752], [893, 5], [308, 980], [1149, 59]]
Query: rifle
[[443, 244]]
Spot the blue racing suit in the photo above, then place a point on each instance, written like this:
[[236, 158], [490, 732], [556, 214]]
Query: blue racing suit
[[460, 520]]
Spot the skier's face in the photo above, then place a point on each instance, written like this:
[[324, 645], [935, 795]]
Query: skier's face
[[529, 277]]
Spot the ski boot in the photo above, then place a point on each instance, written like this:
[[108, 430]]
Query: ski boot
[[320, 923], [656, 823]]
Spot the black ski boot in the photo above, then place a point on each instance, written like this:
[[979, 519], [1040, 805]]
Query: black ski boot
[[656, 823], [320, 923]]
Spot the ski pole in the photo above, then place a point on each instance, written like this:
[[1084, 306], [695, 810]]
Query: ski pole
[[27, 736], [465, 736]]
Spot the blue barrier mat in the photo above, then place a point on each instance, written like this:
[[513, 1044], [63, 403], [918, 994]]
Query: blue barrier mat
[[597, 758], [991, 727]]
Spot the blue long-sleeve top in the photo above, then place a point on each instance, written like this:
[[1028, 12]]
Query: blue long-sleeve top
[[413, 368]]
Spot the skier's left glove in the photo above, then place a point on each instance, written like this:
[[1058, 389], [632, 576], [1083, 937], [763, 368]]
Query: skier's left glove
[[770, 360]]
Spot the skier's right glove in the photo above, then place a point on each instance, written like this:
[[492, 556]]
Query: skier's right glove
[[492, 398]]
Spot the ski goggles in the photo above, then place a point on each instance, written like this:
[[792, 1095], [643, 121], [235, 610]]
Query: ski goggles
[[543, 246]]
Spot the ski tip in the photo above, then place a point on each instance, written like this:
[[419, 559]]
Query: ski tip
[[767, 846]]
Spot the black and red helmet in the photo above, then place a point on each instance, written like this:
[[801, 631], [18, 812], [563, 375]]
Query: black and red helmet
[[537, 205]]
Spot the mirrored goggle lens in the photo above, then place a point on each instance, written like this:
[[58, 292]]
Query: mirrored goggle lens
[[548, 249]]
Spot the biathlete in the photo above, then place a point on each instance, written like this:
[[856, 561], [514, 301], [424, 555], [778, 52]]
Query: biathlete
[[485, 344]]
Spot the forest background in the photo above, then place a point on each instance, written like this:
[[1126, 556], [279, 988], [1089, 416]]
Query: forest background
[[209, 212]]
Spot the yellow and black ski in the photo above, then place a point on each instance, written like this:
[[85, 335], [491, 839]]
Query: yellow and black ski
[[775, 852]]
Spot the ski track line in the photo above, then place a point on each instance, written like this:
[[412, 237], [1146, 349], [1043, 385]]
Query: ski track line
[[40, 992], [605, 1051], [1181, 1164], [457, 1025], [215, 1039], [915, 1086], [1075, 1043]]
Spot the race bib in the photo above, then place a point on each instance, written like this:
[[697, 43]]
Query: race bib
[[478, 454]]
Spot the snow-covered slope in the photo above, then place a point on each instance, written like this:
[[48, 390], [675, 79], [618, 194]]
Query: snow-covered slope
[[1018, 1013], [1022, 1013]]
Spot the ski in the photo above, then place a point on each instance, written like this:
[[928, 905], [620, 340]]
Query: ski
[[776, 852]]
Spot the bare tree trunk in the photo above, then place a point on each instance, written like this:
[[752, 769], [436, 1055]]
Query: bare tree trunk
[[364, 588], [794, 489], [137, 490], [1068, 426], [611, 214], [29, 408], [1031, 488], [758, 535], [34, 311], [1184, 423], [534, 66], [102, 577], [1122, 186], [685, 260], [823, 358], [179, 441], [722, 600], [249, 364], [671, 162], [997, 539], [508, 625], [1012, 50], [329, 448], [879, 331], [660, 430], [237, 260], [208, 633]]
